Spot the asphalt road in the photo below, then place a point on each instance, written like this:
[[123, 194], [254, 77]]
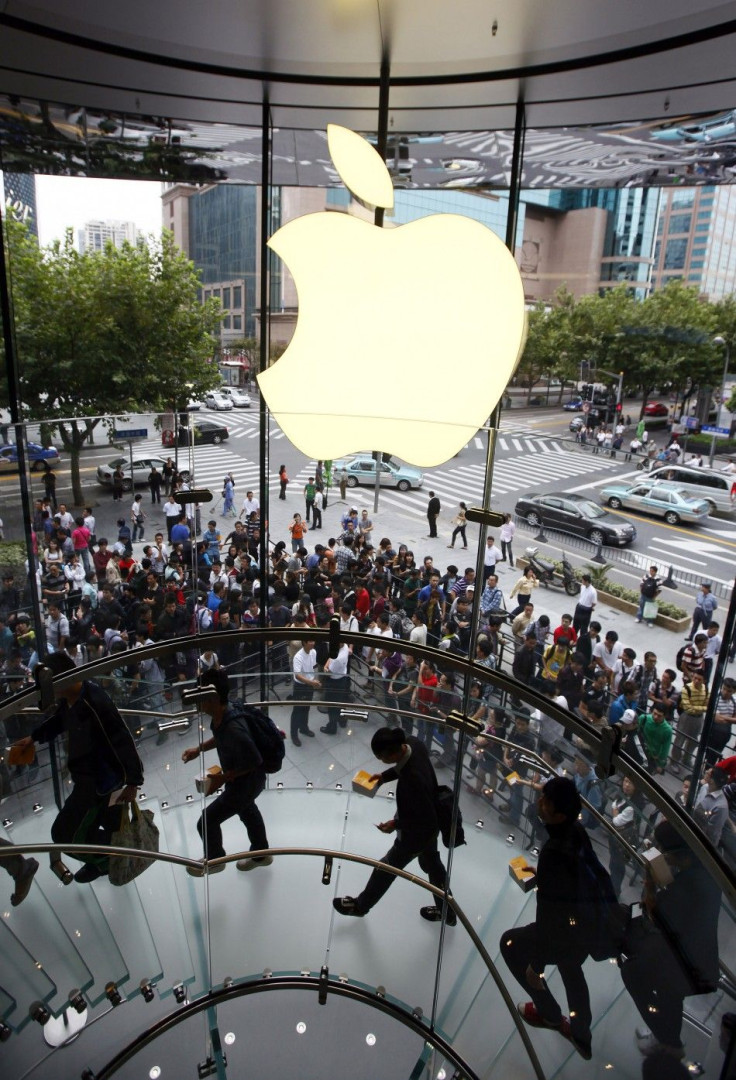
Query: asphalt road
[[534, 452]]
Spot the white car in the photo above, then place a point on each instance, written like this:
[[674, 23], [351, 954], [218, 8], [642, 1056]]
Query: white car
[[239, 398], [215, 400]]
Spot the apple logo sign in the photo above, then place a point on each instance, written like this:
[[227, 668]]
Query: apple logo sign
[[406, 337]]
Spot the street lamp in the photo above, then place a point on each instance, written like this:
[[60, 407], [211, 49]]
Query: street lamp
[[720, 341]]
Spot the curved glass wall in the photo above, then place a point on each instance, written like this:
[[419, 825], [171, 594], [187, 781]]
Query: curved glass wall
[[530, 713]]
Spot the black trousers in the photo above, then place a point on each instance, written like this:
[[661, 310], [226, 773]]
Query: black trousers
[[85, 818], [581, 618], [238, 799], [300, 710], [655, 981], [400, 854], [519, 947], [337, 693]]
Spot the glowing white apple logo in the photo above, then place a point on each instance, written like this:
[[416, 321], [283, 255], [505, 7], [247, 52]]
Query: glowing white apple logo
[[368, 366]]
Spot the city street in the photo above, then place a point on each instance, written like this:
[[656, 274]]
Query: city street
[[535, 453]]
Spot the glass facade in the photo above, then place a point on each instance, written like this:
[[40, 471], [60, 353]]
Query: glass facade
[[499, 686]]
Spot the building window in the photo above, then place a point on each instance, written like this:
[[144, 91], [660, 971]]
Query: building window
[[237, 322], [238, 296], [674, 254], [226, 322], [226, 299], [704, 214], [702, 228], [216, 294], [680, 223]]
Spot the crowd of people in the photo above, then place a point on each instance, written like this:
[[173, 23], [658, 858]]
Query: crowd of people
[[102, 598]]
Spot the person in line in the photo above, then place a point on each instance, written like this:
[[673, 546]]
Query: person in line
[[557, 936], [243, 778], [415, 823], [102, 760]]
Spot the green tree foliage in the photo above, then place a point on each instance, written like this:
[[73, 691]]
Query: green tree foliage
[[666, 339], [106, 333]]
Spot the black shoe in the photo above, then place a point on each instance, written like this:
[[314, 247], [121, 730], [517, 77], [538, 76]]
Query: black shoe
[[309, 733], [296, 740], [434, 914], [328, 731], [23, 882], [88, 873], [345, 905]]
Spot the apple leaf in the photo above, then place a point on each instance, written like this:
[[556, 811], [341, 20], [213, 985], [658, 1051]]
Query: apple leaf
[[360, 166]]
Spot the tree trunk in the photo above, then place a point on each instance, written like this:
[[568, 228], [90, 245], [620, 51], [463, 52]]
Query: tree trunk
[[74, 437]]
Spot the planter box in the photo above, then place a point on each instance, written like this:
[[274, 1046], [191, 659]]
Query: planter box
[[629, 608]]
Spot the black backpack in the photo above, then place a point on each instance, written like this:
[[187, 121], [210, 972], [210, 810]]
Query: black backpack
[[649, 588], [601, 917], [268, 738], [445, 805], [678, 658]]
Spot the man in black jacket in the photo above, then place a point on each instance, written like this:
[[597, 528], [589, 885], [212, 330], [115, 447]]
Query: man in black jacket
[[433, 512], [557, 935], [416, 824], [243, 777], [101, 758]]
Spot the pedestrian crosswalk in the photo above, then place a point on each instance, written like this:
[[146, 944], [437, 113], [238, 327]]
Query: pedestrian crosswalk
[[511, 476]]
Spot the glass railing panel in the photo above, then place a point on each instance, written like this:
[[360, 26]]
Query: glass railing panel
[[24, 978], [289, 907]]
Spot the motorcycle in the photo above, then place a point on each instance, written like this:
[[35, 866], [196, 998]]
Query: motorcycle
[[548, 574]]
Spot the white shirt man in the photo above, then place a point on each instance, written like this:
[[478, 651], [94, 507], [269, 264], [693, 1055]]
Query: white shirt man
[[418, 635], [607, 654], [65, 518], [304, 666], [492, 554], [251, 505], [338, 668], [587, 597], [172, 508]]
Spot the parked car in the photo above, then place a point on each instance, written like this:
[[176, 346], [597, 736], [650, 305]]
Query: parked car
[[239, 398], [708, 484], [218, 401], [193, 405], [205, 431], [361, 469], [573, 405], [663, 500], [141, 468], [577, 515], [37, 456]]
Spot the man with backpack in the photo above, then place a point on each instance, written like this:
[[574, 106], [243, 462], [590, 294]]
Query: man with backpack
[[243, 777], [576, 909], [649, 590]]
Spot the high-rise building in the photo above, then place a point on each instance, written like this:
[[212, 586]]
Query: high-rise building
[[20, 198], [95, 234], [696, 240]]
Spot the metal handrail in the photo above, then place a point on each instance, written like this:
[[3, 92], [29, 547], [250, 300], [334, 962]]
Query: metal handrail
[[705, 852], [323, 853]]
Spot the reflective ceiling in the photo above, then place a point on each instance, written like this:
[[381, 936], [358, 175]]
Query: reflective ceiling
[[614, 93]]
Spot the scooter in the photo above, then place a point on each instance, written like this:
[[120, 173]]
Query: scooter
[[548, 573]]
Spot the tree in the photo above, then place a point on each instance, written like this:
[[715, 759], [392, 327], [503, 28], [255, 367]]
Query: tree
[[110, 332]]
